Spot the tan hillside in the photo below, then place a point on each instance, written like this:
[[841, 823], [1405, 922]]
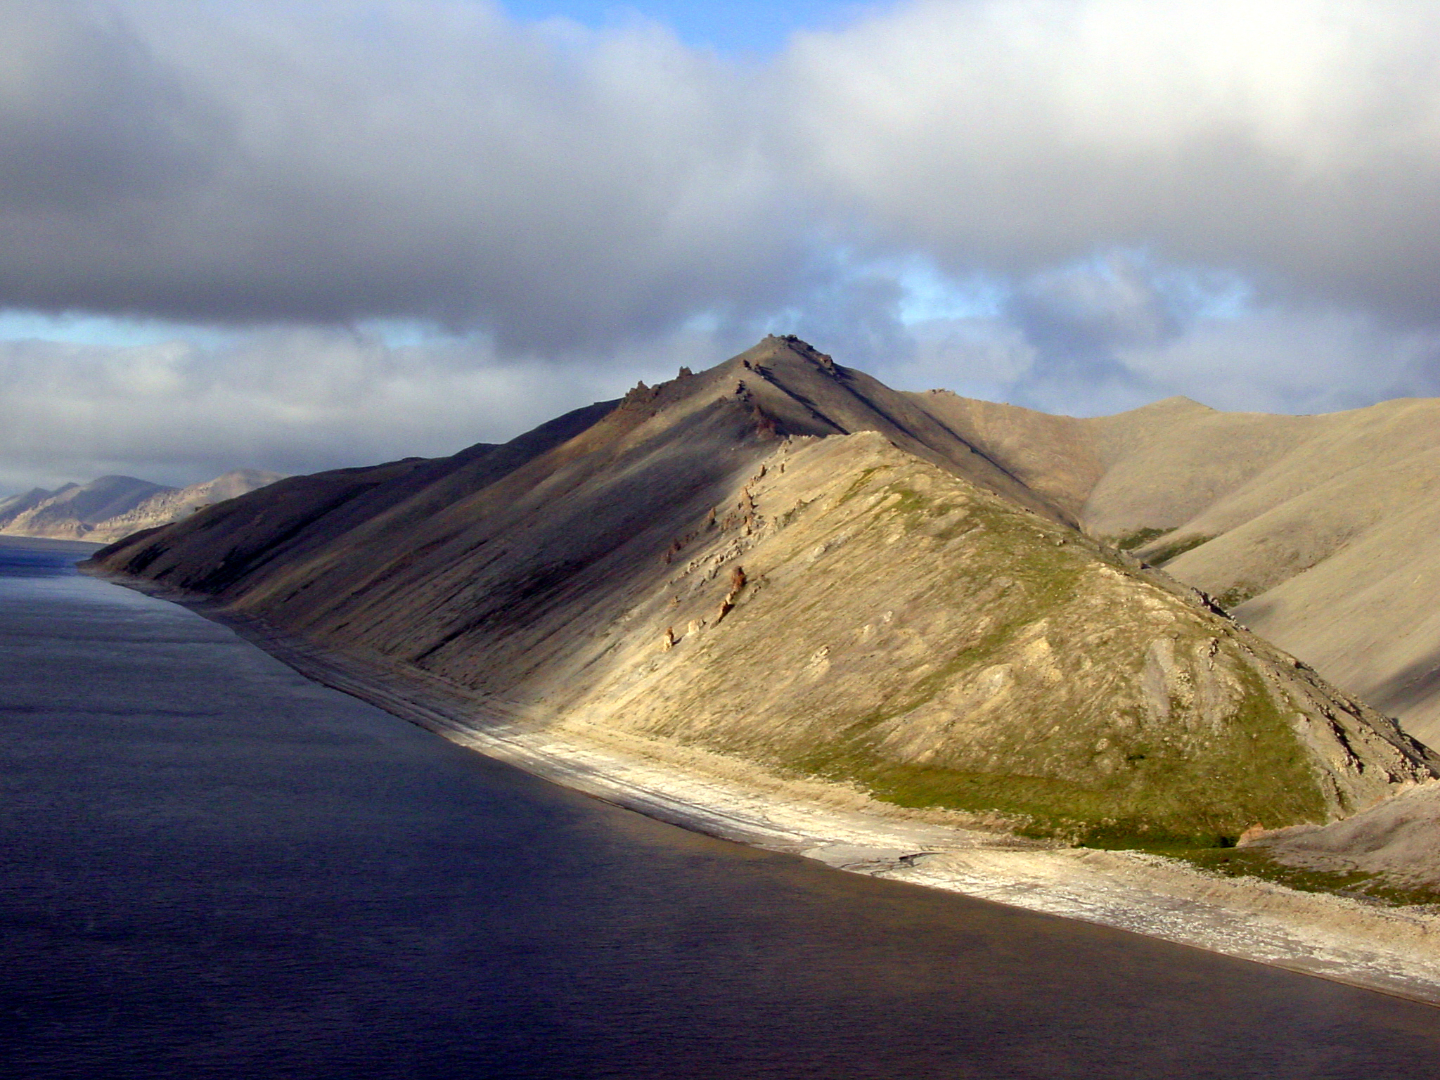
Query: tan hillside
[[1318, 531], [785, 561], [1388, 851]]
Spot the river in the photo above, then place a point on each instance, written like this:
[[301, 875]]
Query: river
[[212, 867]]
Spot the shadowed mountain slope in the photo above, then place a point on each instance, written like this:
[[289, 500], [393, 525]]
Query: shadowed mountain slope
[[13, 506], [784, 561], [1318, 531]]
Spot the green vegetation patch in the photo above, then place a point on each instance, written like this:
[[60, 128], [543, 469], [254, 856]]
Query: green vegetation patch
[[1236, 595], [1160, 799], [915, 507], [1139, 538], [1161, 556], [1159, 788], [857, 484], [1115, 814]]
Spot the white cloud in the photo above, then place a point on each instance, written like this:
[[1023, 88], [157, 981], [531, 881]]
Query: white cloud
[[1291, 360], [1112, 333]]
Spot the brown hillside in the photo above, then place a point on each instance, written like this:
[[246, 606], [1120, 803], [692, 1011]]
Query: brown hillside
[[1318, 531], [785, 561]]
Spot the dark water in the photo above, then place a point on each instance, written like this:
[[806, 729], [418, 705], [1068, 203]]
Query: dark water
[[213, 868]]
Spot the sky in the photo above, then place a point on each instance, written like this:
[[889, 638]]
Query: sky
[[298, 236]]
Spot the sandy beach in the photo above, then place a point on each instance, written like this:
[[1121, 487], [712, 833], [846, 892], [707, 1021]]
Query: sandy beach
[[1394, 950]]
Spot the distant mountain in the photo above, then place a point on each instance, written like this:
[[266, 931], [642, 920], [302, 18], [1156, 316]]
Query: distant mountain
[[75, 510], [12, 506], [783, 562], [170, 505], [113, 507]]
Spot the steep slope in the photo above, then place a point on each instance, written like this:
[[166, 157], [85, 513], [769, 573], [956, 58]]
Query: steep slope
[[779, 560], [1317, 530]]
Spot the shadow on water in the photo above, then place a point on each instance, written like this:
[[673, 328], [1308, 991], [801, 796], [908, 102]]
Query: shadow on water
[[214, 868]]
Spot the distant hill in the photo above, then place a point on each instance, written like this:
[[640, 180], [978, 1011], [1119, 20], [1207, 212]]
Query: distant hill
[[113, 507], [1322, 533]]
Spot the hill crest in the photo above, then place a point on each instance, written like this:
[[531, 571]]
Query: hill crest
[[784, 561]]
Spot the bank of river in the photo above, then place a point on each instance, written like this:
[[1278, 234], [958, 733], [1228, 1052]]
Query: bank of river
[[1354, 940], [216, 868]]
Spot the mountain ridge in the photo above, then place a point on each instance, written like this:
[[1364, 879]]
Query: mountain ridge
[[785, 561]]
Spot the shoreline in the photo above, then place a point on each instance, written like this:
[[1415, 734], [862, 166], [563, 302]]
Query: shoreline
[[1391, 950]]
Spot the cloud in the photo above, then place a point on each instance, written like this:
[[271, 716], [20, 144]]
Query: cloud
[[289, 400], [1292, 360], [1114, 332], [1073, 204], [90, 123], [338, 161], [563, 187], [1296, 140]]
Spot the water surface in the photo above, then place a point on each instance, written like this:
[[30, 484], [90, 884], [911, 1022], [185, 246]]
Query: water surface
[[211, 867]]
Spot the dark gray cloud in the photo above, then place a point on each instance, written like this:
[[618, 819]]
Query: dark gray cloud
[[91, 124], [337, 161]]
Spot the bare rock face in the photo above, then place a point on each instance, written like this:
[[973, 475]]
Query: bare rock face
[[865, 596]]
